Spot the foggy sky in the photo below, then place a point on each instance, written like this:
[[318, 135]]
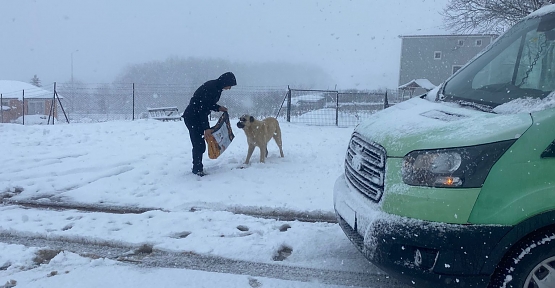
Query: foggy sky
[[356, 41]]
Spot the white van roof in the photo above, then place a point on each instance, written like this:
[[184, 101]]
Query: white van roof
[[542, 11]]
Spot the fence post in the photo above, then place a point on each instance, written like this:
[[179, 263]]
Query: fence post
[[23, 106], [336, 108], [385, 101], [288, 104], [60, 102], [133, 117], [52, 107]]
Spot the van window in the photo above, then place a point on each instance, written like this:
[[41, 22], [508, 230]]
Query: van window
[[521, 63], [499, 70]]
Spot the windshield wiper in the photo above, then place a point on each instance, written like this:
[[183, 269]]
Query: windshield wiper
[[477, 106]]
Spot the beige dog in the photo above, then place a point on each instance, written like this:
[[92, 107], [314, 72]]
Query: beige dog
[[259, 134]]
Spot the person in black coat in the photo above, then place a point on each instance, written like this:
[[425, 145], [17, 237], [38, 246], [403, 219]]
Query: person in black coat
[[205, 99]]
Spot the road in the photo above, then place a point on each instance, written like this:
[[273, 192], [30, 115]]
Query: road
[[148, 257]]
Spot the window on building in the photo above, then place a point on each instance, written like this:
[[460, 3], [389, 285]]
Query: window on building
[[479, 42], [456, 68], [460, 43], [437, 55], [35, 107]]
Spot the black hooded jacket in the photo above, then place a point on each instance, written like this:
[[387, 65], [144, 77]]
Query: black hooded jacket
[[205, 99]]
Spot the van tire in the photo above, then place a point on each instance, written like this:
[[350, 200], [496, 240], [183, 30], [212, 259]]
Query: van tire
[[530, 256]]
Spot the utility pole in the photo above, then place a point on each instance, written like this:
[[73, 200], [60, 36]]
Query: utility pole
[[72, 85], [72, 64]]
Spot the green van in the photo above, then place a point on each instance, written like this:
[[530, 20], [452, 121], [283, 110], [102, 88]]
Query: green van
[[456, 188]]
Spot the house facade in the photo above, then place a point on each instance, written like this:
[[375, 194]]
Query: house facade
[[436, 57], [20, 98]]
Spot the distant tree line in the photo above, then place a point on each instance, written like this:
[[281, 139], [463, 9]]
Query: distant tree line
[[172, 82], [195, 71]]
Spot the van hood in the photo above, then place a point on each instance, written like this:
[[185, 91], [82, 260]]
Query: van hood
[[418, 124]]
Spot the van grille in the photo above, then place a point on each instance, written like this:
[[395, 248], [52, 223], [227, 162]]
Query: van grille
[[365, 167]]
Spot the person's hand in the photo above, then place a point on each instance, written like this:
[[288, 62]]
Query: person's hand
[[207, 133], [223, 109]]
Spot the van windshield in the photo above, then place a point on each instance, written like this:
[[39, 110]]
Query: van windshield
[[520, 64]]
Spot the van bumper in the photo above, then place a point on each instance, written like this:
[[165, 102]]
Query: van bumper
[[419, 253]]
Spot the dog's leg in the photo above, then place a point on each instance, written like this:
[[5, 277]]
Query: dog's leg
[[277, 138], [249, 153], [263, 148]]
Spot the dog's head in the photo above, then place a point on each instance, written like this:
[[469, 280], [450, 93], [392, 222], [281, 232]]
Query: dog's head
[[245, 121]]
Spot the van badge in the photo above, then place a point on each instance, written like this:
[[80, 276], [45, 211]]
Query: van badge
[[357, 147], [357, 162]]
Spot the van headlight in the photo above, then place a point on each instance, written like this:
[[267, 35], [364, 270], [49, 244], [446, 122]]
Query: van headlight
[[464, 167]]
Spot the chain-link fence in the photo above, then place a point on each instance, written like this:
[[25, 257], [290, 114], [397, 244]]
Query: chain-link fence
[[339, 108], [78, 102]]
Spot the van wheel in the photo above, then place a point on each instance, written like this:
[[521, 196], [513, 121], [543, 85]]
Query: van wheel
[[530, 264]]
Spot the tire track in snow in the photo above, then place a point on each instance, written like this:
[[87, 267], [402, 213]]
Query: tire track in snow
[[281, 215], [148, 258]]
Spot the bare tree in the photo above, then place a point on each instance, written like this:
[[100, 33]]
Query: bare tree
[[487, 16]]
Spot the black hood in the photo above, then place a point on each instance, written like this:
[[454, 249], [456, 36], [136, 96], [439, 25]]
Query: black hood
[[227, 79]]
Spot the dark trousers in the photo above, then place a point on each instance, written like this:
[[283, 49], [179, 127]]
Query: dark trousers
[[196, 133]]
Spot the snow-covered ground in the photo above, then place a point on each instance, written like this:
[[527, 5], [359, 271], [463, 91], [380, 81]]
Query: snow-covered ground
[[147, 164], [70, 270]]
